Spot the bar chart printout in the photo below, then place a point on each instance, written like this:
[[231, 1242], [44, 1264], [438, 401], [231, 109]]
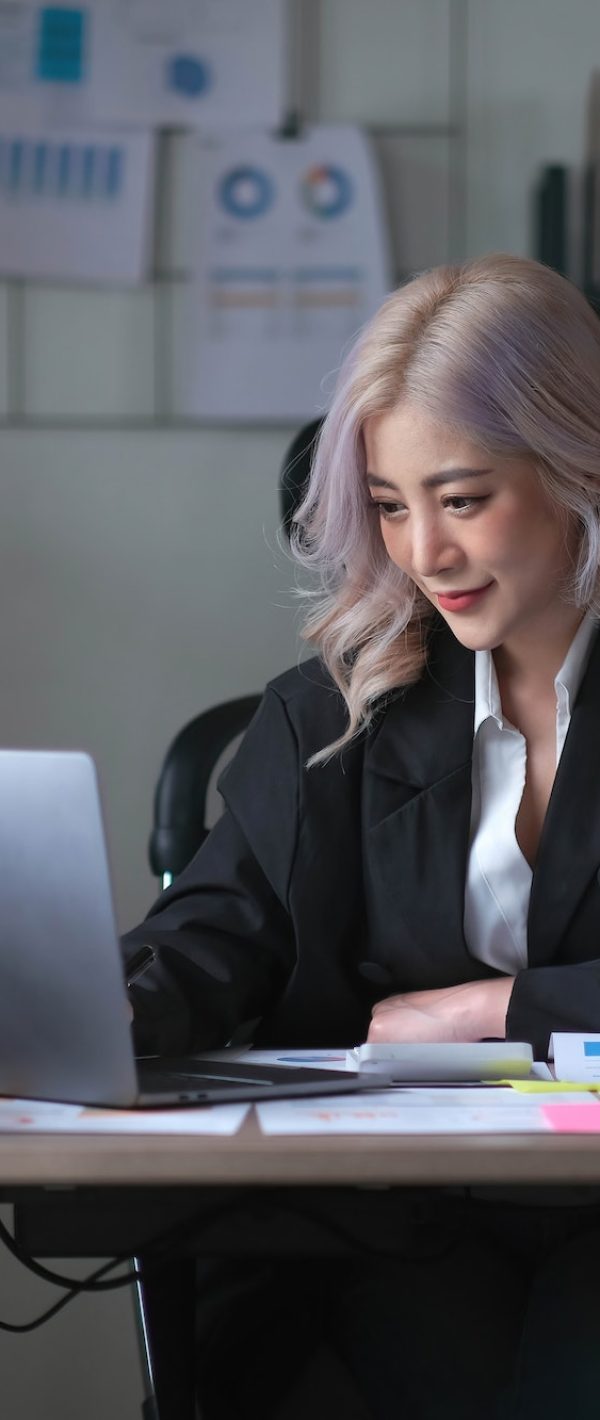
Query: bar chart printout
[[76, 205]]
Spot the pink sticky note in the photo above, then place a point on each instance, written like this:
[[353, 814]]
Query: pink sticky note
[[572, 1118]]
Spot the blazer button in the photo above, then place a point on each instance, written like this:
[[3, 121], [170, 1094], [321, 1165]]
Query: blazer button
[[373, 971]]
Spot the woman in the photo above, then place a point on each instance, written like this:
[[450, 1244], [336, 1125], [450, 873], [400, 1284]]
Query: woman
[[411, 840]]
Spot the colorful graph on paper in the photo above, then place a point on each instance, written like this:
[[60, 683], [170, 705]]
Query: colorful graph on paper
[[76, 204], [84, 172]]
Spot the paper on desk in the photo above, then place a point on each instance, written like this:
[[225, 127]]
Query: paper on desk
[[45, 1117], [576, 1056], [415, 1111]]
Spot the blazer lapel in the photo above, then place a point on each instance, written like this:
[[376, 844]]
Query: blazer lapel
[[417, 802], [569, 850]]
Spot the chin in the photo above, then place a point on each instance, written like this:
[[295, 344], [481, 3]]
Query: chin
[[476, 638]]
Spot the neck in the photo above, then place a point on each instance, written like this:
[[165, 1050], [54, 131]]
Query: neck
[[532, 660]]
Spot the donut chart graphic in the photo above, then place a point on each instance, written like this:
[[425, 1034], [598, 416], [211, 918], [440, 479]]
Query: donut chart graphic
[[188, 75], [246, 192], [327, 190]]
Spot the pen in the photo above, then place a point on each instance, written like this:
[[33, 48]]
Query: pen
[[138, 963]]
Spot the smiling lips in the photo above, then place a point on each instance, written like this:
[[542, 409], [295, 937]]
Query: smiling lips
[[461, 601]]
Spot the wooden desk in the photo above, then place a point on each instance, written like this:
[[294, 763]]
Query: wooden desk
[[244, 1196], [49, 1161]]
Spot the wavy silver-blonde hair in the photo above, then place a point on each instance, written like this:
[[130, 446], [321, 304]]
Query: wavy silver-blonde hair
[[501, 349]]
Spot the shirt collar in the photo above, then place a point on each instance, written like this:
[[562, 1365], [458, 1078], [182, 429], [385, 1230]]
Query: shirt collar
[[566, 682]]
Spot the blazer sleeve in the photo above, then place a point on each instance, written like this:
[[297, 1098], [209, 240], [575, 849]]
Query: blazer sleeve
[[553, 998], [222, 933]]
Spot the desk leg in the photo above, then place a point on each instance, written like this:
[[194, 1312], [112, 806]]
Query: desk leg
[[149, 1403], [165, 1305]]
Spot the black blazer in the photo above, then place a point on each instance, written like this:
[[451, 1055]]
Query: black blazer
[[321, 891]]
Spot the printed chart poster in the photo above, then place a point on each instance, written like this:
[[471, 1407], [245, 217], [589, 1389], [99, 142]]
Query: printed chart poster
[[190, 63], [185, 63], [291, 258], [76, 205], [45, 63]]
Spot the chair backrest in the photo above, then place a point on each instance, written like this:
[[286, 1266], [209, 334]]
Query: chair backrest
[[180, 798], [295, 470], [181, 792]]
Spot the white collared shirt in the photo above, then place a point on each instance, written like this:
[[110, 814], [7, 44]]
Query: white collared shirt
[[498, 882]]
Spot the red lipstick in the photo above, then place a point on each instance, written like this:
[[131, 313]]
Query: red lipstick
[[462, 601]]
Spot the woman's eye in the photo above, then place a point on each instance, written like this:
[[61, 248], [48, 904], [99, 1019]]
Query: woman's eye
[[455, 502], [387, 510], [461, 503]]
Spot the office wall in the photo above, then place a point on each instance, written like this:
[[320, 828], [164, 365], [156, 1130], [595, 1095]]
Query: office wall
[[529, 64], [140, 578], [143, 580]]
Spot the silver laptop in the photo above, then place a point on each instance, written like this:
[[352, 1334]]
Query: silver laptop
[[64, 1023]]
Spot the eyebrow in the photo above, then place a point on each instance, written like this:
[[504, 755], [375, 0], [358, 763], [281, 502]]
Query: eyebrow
[[432, 480]]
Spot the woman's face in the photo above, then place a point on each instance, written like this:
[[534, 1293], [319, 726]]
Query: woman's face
[[476, 532]]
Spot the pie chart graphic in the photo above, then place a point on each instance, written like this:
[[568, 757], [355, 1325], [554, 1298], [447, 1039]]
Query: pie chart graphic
[[327, 190], [188, 75], [246, 192]]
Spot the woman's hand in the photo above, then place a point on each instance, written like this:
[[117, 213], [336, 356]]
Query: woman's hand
[[468, 1012]]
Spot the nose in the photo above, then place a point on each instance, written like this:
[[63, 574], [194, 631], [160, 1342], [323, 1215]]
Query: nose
[[433, 550]]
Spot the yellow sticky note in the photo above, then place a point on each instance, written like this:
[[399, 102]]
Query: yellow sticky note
[[543, 1087]]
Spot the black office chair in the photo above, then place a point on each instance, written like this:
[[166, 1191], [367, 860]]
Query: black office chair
[[180, 800], [166, 1296], [295, 471], [181, 794]]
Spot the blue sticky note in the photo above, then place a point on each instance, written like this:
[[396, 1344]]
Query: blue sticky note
[[60, 51]]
